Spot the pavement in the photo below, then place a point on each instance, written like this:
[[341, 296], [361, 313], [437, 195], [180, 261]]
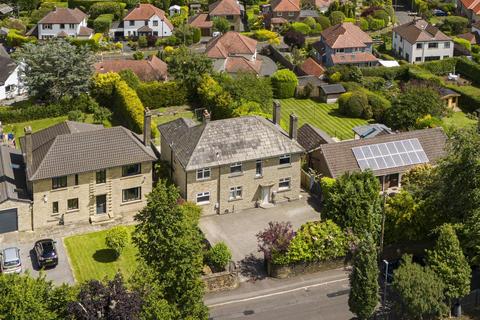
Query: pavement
[[401, 13], [319, 296], [60, 274]]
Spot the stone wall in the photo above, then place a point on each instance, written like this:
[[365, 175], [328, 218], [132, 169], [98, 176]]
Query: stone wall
[[221, 281], [287, 271]]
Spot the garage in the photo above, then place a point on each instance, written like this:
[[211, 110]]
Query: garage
[[8, 220]]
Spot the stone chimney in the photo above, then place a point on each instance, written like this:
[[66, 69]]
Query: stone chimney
[[206, 116], [276, 112], [147, 127], [28, 147], [293, 127]]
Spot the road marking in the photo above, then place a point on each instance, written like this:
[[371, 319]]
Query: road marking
[[276, 293]]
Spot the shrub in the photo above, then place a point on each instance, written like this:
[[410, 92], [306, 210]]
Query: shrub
[[469, 69], [294, 39], [102, 86], [101, 114], [130, 78], [266, 35], [427, 122], [275, 239], [335, 77], [324, 22], [138, 55], [106, 7], [375, 24], [16, 40], [379, 105], [284, 83], [354, 104], [301, 27], [30, 112], [337, 17], [463, 42], [326, 185], [162, 94], [363, 24], [454, 24], [383, 15], [142, 42], [76, 115], [440, 67], [373, 83], [197, 35], [395, 73], [117, 239], [218, 257], [103, 23], [314, 241], [127, 106]]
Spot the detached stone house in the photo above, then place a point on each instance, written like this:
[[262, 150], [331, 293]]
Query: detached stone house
[[228, 165], [228, 9], [61, 23], [143, 20], [345, 44], [418, 41]]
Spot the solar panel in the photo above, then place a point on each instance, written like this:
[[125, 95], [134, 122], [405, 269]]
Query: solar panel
[[390, 154]]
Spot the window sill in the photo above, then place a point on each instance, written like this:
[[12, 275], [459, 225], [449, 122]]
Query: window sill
[[203, 179], [59, 189], [124, 203], [283, 166], [258, 176], [280, 190], [203, 203], [100, 184], [234, 199], [235, 174], [131, 177], [72, 211]]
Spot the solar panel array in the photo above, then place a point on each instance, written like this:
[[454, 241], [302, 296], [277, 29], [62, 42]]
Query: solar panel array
[[390, 154]]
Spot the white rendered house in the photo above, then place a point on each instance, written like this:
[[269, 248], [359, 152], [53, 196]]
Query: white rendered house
[[10, 84], [64, 22], [144, 20]]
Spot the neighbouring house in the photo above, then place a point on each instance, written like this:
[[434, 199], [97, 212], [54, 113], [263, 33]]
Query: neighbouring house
[[309, 86], [143, 20], [470, 9], [311, 67], [228, 165], [418, 41], [175, 9], [5, 10], [285, 9], [345, 44], [233, 52], [10, 84], [81, 173], [151, 69], [15, 201], [231, 10], [62, 23], [202, 21], [388, 156], [450, 98], [371, 130], [311, 138], [474, 35], [330, 93]]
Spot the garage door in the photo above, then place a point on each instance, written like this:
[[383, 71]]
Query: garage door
[[8, 220]]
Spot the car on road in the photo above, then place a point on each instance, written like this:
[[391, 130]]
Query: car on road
[[439, 13], [10, 261], [46, 253]]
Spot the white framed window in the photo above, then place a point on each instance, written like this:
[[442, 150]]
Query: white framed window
[[291, 14], [71, 26], [131, 194], [446, 45], [258, 168], [284, 184], [62, 25], [419, 45], [235, 193], [155, 23], [284, 159], [279, 14], [433, 45], [203, 198], [203, 174], [47, 26], [236, 167]]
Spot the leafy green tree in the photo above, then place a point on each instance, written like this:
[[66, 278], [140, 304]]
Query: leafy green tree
[[449, 263], [221, 24], [55, 69], [215, 98], [363, 297], [337, 17], [170, 243], [117, 239], [27, 5], [188, 68], [416, 101], [284, 83], [418, 291], [354, 202]]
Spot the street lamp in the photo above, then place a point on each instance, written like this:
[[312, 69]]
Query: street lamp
[[385, 262]]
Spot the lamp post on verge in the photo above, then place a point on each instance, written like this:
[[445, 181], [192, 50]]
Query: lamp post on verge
[[385, 262]]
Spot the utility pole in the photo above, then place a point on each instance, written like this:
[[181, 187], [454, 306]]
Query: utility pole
[[383, 214]]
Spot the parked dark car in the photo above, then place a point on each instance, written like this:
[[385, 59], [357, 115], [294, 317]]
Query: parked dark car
[[46, 252], [439, 13]]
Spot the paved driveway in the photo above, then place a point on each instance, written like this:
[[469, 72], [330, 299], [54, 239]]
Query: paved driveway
[[238, 229], [62, 273]]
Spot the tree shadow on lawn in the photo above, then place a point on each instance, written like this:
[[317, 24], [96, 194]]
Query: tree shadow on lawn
[[105, 255]]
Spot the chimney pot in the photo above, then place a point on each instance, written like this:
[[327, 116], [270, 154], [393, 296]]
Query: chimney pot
[[147, 129], [276, 112], [293, 126], [28, 146]]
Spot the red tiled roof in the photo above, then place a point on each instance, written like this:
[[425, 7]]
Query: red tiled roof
[[345, 35], [470, 37], [323, 3], [85, 32], [473, 5], [356, 57], [200, 21], [230, 43], [224, 8], [147, 70], [64, 15], [242, 64], [285, 5], [145, 11], [278, 20], [311, 67], [420, 30]]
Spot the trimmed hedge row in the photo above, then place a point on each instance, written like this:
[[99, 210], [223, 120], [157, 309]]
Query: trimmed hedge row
[[157, 94], [395, 73], [32, 112], [470, 97], [103, 22], [469, 69], [440, 67], [127, 106], [86, 4]]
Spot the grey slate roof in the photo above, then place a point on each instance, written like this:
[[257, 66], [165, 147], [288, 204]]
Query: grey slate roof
[[315, 81], [447, 92], [226, 141], [74, 147], [12, 175], [5, 8], [310, 137], [339, 156], [332, 88], [371, 130], [7, 66]]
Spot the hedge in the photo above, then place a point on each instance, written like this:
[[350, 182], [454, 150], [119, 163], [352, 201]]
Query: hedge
[[103, 23], [395, 73], [127, 106], [157, 94], [469, 100], [16, 40], [440, 67], [86, 4], [468, 69], [32, 112], [284, 82]]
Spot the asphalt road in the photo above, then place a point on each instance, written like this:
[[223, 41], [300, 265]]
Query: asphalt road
[[321, 296]]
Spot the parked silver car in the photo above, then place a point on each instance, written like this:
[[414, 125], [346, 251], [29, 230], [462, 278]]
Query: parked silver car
[[10, 261]]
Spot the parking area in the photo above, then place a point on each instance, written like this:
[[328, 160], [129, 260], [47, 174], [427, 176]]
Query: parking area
[[62, 273], [238, 229]]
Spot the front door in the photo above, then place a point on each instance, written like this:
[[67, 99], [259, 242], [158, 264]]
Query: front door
[[101, 201], [265, 195]]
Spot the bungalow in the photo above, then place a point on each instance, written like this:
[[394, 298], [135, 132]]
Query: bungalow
[[61, 23], [143, 20], [151, 69]]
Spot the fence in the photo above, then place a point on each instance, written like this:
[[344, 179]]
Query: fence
[[310, 184]]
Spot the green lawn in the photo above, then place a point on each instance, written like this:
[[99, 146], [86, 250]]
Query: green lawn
[[458, 120], [323, 116], [91, 259]]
